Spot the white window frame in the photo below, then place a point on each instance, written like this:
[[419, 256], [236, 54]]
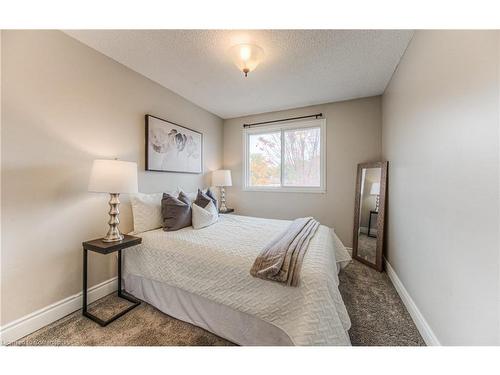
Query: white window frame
[[303, 124]]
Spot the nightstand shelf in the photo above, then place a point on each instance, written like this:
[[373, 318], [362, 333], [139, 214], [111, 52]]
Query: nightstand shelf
[[228, 211], [101, 247]]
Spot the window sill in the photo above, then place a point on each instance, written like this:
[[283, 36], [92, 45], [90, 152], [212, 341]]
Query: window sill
[[285, 190]]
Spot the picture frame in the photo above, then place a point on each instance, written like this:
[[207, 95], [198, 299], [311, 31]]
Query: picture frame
[[171, 147]]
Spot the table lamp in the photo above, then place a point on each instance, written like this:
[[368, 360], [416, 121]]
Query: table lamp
[[222, 178], [113, 177]]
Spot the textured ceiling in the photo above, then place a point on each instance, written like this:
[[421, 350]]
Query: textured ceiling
[[300, 67]]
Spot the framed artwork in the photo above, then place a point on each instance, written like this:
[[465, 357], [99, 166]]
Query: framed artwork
[[171, 147]]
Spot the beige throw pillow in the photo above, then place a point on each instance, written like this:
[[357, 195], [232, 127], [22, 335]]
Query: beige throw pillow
[[146, 210]]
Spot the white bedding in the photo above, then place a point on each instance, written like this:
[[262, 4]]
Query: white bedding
[[214, 263]]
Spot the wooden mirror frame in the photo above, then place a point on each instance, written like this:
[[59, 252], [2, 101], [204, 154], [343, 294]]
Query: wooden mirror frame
[[379, 265]]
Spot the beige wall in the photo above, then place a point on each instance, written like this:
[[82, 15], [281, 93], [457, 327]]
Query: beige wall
[[63, 105], [353, 131], [441, 137]]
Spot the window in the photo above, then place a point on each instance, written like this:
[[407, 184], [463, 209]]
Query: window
[[285, 157]]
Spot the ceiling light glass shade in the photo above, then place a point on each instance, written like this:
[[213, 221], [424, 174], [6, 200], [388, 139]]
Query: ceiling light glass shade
[[246, 56]]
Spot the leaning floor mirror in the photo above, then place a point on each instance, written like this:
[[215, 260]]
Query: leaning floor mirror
[[369, 214]]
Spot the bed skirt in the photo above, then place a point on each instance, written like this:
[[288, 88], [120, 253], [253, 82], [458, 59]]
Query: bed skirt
[[235, 326]]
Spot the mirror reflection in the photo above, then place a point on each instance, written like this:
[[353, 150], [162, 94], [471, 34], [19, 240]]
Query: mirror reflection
[[368, 213]]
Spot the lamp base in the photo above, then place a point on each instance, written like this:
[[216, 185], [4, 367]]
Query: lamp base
[[113, 234], [113, 238], [223, 207]]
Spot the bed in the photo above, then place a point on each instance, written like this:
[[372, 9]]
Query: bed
[[202, 277]]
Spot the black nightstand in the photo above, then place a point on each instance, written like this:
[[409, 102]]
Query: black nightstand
[[107, 248], [229, 211], [370, 223]]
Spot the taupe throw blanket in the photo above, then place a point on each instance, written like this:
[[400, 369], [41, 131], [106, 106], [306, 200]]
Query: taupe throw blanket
[[281, 259]]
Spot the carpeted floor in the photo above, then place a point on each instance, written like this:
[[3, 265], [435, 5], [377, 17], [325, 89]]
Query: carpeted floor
[[378, 318], [367, 247]]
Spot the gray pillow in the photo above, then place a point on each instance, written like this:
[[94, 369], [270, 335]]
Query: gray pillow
[[202, 199], [212, 197], [176, 212]]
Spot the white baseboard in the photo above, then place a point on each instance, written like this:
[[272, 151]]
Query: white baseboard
[[419, 320], [39, 319]]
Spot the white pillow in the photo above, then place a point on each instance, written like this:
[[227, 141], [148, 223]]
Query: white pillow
[[203, 217], [146, 210]]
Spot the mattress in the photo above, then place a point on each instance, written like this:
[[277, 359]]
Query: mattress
[[196, 274]]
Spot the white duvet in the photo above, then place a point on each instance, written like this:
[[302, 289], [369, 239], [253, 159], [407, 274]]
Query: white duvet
[[214, 262]]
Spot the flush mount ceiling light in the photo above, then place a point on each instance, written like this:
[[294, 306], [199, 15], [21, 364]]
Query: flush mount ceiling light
[[246, 56]]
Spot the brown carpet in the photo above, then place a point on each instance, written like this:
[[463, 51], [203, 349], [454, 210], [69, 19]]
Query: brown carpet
[[367, 247], [378, 318], [378, 315]]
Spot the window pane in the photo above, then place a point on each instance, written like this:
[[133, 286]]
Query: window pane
[[265, 159], [302, 157]]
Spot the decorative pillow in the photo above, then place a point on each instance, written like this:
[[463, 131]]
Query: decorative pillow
[[194, 194], [191, 195], [146, 211], [202, 200], [203, 217], [176, 212], [212, 197]]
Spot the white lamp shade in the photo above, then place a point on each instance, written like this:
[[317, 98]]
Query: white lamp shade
[[113, 176], [375, 189], [222, 177]]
